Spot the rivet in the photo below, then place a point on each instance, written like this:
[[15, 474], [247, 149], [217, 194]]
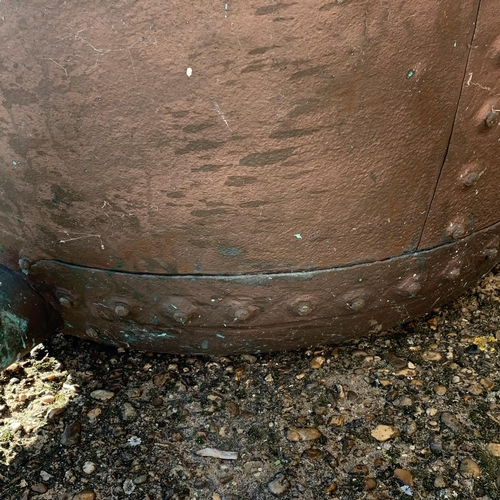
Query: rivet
[[65, 302], [24, 264], [456, 231], [122, 310], [181, 316], [471, 179], [357, 304], [410, 287], [491, 253], [491, 118], [303, 309], [242, 314], [92, 331]]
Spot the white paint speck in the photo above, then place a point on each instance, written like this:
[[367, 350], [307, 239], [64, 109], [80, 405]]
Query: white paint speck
[[298, 236], [189, 71]]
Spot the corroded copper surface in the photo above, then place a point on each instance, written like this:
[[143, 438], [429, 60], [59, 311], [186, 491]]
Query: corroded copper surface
[[467, 194], [254, 313], [205, 177], [308, 134]]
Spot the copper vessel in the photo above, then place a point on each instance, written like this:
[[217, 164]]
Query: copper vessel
[[224, 177]]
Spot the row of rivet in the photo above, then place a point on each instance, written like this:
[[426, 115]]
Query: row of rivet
[[183, 311]]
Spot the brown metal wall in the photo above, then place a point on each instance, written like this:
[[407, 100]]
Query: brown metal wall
[[467, 196], [308, 135]]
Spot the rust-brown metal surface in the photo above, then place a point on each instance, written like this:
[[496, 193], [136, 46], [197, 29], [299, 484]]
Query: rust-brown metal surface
[[202, 149], [308, 135], [467, 194]]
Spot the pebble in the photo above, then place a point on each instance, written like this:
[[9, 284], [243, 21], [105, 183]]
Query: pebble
[[410, 428], [45, 475], [128, 487], [431, 411], [395, 361], [160, 379], [140, 479], [494, 449], [383, 432], [89, 467], [431, 356], [47, 399], [93, 414], [405, 401], [16, 426], [317, 362], [279, 484], [84, 495], [440, 390], [234, 409], [360, 470], [475, 389], [129, 412], [451, 422], [312, 453], [337, 420], [487, 384], [39, 488], [439, 482], [102, 395], [404, 476], [469, 468], [406, 372], [71, 434], [55, 412], [369, 484], [303, 434]]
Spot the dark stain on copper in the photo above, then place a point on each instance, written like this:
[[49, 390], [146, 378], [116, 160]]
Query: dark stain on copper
[[199, 145], [63, 196], [240, 180], [317, 70], [179, 114], [208, 213], [253, 67], [176, 194], [287, 134], [327, 6], [18, 96], [261, 50], [195, 128], [254, 204], [207, 168], [270, 9], [267, 158]]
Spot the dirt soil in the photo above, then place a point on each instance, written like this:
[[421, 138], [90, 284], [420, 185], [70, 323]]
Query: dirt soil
[[413, 412]]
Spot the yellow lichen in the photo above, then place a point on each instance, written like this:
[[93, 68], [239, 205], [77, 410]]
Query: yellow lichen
[[484, 341]]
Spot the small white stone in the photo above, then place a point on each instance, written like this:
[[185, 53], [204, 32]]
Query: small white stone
[[102, 395], [88, 467], [189, 72]]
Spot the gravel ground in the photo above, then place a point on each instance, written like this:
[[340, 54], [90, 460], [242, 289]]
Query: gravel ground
[[413, 412]]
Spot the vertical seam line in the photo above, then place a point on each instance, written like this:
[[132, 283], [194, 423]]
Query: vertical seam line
[[452, 128]]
